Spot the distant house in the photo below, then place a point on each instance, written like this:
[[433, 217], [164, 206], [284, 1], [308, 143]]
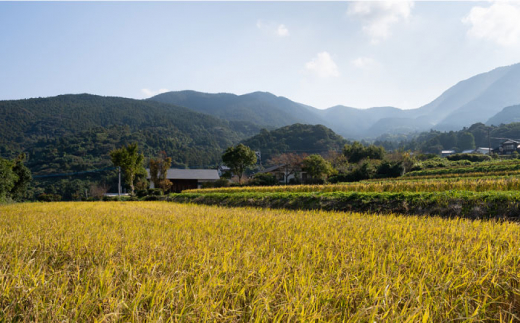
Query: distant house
[[445, 153], [223, 169], [479, 150], [185, 179], [281, 174], [482, 150], [508, 147]]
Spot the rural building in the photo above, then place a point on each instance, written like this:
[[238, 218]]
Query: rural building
[[508, 147], [223, 169], [482, 150], [445, 153], [479, 150], [185, 179], [281, 174]]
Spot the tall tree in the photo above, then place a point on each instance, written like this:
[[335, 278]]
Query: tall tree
[[159, 170], [357, 152], [238, 159], [466, 141], [130, 161], [24, 177], [316, 166], [7, 178], [291, 163]]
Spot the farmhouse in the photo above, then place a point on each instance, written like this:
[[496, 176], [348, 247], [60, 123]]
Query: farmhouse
[[508, 147], [283, 174], [185, 179]]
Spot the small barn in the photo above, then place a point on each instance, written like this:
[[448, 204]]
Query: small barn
[[186, 179]]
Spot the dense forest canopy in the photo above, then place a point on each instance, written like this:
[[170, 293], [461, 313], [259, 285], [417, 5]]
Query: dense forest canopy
[[297, 138]]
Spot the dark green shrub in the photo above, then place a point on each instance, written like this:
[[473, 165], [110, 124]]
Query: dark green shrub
[[263, 179], [141, 193], [469, 157], [389, 169], [155, 191], [49, 197]]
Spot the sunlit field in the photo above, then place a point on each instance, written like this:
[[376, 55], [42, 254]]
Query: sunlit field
[[160, 261]]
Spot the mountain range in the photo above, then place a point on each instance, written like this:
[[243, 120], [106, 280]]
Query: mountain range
[[477, 99], [195, 127]]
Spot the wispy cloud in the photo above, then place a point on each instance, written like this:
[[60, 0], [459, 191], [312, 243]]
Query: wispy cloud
[[323, 65], [282, 31], [150, 93], [500, 23], [364, 63], [379, 16], [276, 29]]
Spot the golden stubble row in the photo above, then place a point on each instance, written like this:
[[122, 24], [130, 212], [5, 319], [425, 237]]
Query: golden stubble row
[[160, 261]]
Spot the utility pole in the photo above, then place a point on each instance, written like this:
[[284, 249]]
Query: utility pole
[[489, 144], [119, 185]]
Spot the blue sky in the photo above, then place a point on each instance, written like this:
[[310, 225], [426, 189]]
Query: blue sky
[[359, 54]]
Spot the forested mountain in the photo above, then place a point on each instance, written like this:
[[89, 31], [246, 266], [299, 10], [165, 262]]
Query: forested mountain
[[261, 108], [297, 138], [74, 133], [26, 121]]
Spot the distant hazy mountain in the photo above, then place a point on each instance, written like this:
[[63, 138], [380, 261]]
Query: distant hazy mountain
[[476, 99], [354, 123], [470, 101], [507, 115]]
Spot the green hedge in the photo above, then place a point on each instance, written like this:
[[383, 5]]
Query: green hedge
[[475, 205]]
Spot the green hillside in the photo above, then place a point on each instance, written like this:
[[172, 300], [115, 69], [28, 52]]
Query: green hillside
[[296, 138], [74, 133], [261, 108]]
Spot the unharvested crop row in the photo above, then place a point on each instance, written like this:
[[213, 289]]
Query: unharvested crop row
[[490, 204], [477, 185], [477, 175], [152, 261], [479, 168]]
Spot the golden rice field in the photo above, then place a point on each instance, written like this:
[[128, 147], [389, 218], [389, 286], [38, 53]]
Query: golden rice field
[[445, 184], [160, 261]]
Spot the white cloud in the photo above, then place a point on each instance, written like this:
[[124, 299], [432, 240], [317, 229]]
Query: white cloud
[[364, 62], [279, 30], [323, 65], [499, 23], [379, 16], [282, 31], [150, 93]]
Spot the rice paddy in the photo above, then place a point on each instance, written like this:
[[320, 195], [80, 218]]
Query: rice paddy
[[161, 261]]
